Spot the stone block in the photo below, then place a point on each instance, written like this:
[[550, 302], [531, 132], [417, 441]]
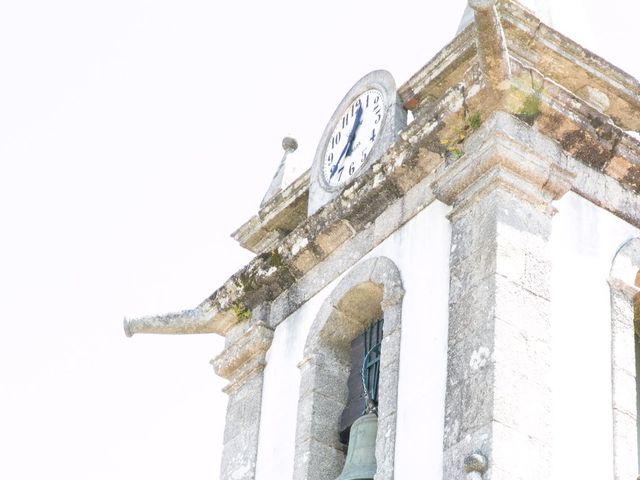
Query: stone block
[[523, 309], [243, 412], [325, 379], [468, 273], [623, 345], [521, 403], [468, 357], [518, 455], [388, 389], [624, 392], [625, 455], [238, 461], [454, 455], [453, 414], [318, 418], [318, 461], [388, 221], [477, 401]]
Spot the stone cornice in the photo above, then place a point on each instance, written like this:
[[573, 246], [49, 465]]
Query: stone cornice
[[445, 94], [245, 356], [505, 152]]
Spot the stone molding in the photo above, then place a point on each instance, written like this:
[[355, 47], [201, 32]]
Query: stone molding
[[585, 104], [371, 288], [245, 357], [505, 153], [491, 44], [624, 282]]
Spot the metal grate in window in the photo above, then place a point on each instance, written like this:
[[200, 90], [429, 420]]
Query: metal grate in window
[[365, 373]]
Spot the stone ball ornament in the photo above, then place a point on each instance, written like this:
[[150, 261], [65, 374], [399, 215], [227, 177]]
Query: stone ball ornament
[[289, 144]]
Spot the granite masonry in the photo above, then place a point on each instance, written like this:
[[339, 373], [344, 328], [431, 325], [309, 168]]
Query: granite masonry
[[499, 239]]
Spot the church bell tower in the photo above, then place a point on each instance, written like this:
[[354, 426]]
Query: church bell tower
[[469, 280]]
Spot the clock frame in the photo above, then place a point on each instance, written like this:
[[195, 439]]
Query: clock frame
[[393, 118]]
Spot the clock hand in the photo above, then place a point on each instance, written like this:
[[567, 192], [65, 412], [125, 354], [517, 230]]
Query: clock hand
[[357, 124], [347, 148]]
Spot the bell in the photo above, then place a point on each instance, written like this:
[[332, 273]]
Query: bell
[[361, 455]]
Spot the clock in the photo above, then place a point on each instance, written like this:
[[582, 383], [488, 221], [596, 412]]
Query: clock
[[364, 125], [353, 137]]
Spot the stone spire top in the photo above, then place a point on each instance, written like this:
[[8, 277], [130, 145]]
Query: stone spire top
[[540, 8], [566, 16]]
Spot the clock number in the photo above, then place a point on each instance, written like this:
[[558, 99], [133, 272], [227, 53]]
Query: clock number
[[367, 104], [336, 139], [352, 168], [354, 106], [330, 158], [376, 99], [345, 121], [373, 135], [378, 113]]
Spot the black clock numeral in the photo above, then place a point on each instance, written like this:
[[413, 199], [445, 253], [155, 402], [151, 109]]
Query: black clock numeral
[[336, 139], [330, 158], [340, 173], [355, 106], [352, 168], [378, 112], [373, 135], [367, 103], [345, 120], [376, 100]]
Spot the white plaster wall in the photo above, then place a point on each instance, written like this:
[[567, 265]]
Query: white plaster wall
[[584, 241], [421, 251], [280, 392]]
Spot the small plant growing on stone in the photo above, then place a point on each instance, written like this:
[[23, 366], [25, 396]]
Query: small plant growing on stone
[[474, 121], [241, 312], [453, 145], [530, 108]]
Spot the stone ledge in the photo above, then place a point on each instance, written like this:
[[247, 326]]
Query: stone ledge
[[444, 94], [245, 355], [281, 214]]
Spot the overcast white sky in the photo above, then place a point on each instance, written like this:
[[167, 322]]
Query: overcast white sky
[[135, 136]]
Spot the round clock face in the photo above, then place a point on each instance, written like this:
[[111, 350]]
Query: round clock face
[[353, 137]]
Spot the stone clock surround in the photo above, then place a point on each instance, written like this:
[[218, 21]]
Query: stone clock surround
[[394, 120]]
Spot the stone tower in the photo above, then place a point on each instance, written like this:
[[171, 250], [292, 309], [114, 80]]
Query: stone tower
[[493, 242]]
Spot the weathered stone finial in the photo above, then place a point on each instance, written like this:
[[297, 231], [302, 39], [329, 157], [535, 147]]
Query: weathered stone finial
[[290, 145]]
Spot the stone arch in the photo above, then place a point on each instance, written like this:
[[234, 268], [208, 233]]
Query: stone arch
[[372, 288], [624, 280]]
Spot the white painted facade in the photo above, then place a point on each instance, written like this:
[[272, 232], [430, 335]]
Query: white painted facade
[[583, 243], [420, 249]]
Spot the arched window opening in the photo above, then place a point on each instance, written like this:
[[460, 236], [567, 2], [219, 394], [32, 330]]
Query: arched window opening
[[348, 324]]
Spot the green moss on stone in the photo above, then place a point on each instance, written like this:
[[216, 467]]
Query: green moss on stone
[[241, 312]]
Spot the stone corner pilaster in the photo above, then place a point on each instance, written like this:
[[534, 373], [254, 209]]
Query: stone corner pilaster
[[498, 398]]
